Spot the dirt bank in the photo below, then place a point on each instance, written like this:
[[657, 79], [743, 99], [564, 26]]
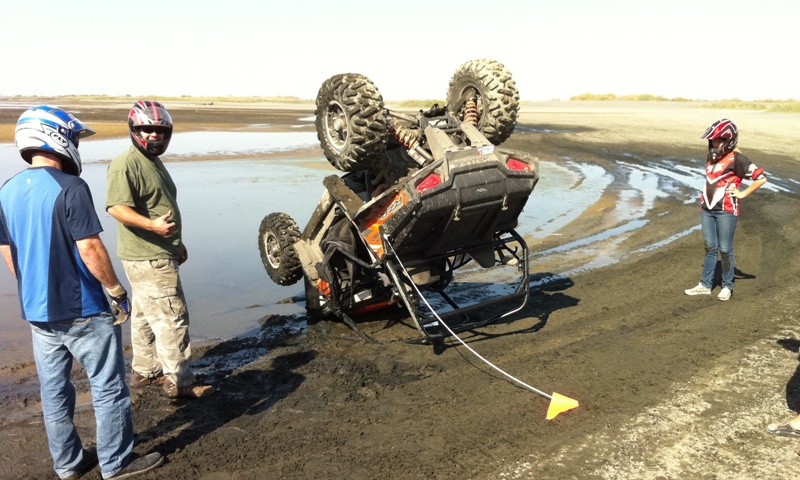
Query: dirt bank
[[670, 386]]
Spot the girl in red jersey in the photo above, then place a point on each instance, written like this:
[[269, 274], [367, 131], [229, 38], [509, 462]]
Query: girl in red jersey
[[726, 167]]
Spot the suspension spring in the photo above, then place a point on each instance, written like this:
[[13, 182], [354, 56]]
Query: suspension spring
[[407, 136], [471, 111]]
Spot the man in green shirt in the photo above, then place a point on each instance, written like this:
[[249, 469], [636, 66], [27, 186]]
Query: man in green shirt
[[142, 197]]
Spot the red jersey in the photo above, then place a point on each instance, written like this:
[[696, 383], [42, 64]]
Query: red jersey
[[730, 170]]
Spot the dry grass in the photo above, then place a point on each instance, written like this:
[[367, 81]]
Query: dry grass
[[103, 130], [6, 133], [780, 106]]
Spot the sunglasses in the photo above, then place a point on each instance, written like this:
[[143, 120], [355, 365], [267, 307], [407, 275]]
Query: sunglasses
[[152, 129]]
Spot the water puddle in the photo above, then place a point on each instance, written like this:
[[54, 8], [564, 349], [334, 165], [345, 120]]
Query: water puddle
[[562, 194]]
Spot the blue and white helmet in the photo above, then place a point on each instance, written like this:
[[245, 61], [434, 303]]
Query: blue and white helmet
[[50, 129]]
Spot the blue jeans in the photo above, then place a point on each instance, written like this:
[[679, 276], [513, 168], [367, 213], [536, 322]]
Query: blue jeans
[[718, 229], [97, 344]]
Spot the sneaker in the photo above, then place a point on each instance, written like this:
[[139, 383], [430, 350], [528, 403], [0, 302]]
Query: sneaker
[[193, 391], [725, 294], [140, 381], [700, 289], [139, 465], [87, 464]]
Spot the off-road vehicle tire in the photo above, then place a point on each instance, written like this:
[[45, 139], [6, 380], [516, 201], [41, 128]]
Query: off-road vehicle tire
[[496, 95], [276, 237], [351, 122]]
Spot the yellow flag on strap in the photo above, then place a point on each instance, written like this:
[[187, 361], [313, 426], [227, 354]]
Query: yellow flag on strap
[[560, 404]]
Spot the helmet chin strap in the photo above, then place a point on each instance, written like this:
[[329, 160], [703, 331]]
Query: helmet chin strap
[[157, 145], [715, 155], [144, 146]]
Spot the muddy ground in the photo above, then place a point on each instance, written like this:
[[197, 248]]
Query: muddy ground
[[670, 386]]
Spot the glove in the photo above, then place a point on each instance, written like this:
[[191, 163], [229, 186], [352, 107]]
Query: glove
[[120, 305]]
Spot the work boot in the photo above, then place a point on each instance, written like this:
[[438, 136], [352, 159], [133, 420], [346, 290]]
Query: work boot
[[88, 462], [193, 391], [140, 381], [139, 464]]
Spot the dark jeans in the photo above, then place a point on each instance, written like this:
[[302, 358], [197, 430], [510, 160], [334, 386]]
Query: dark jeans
[[718, 230]]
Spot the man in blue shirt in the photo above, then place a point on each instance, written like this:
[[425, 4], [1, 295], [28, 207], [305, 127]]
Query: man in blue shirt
[[49, 239]]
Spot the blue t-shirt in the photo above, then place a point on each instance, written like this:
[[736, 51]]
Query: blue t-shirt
[[43, 211]]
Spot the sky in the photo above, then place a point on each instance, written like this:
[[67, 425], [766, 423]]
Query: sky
[[554, 49]]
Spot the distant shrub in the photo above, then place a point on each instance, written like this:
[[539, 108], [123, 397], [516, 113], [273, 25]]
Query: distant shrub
[[780, 106], [792, 106], [736, 104], [772, 100], [643, 97], [593, 96]]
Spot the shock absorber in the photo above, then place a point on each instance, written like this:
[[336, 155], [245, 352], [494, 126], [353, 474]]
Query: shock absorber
[[471, 111], [407, 136]]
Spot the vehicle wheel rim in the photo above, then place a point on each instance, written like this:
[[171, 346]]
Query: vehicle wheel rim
[[336, 125], [273, 249]]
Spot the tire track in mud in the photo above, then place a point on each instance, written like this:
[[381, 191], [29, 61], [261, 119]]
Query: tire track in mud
[[720, 414], [741, 357]]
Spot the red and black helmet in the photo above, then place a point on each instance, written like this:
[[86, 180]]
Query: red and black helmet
[[726, 130], [146, 113]]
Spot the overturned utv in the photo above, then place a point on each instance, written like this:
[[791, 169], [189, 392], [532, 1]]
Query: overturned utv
[[423, 195]]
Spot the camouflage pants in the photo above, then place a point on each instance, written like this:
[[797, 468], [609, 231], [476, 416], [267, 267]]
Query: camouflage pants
[[159, 321]]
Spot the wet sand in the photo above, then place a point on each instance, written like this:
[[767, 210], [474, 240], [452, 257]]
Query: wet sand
[[670, 386]]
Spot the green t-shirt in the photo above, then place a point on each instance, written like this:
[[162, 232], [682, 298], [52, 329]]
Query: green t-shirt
[[144, 185]]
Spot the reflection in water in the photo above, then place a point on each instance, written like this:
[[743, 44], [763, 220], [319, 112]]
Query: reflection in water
[[562, 194]]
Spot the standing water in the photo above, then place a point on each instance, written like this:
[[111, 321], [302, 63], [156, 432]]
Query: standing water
[[223, 201]]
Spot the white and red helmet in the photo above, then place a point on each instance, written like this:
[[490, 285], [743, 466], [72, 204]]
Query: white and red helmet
[[726, 130], [52, 130], [144, 114]]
